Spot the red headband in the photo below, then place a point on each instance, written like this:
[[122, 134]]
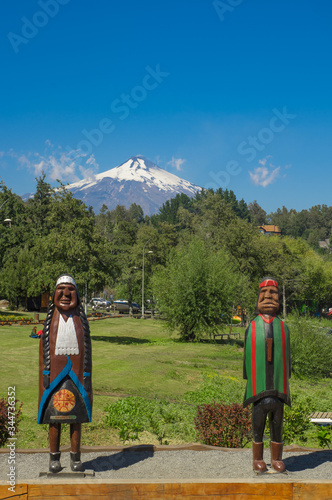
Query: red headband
[[269, 283]]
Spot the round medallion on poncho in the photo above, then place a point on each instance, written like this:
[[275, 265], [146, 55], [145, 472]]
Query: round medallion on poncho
[[64, 400]]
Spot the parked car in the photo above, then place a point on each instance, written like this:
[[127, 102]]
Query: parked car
[[123, 306], [99, 303], [95, 300]]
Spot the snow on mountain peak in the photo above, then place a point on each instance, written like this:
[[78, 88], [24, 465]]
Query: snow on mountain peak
[[140, 169], [138, 180]]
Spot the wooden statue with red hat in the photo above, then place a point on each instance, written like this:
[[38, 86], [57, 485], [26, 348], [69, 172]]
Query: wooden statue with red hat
[[65, 390], [267, 368]]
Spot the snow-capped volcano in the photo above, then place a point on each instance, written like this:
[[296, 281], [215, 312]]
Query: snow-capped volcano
[[138, 180]]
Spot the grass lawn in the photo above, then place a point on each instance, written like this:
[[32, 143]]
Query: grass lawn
[[130, 357]]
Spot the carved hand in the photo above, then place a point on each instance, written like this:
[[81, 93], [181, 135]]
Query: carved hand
[[87, 384], [46, 381]]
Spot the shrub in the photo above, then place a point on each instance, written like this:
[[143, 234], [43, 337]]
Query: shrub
[[224, 425], [296, 419], [324, 437], [311, 348], [5, 419], [129, 432], [214, 387], [134, 414]]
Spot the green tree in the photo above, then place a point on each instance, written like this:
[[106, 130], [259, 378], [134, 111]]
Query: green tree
[[257, 213], [283, 259], [71, 245], [242, 240], [160, 240], [103, 222], [38, 208], [15, 229], [196, 290], [169, 210], [312, 225], [136, 213], [319, 278], [15, 276]]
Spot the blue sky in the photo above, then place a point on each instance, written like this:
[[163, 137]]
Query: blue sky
[[226, 93]]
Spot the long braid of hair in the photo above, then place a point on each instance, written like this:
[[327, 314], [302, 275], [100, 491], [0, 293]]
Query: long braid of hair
[[46, 337], [87, 340]]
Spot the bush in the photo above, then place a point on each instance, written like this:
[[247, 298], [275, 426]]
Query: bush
[[311, 348], [224, 425], [324, 437], [133, 415], [7, 421], [214, 387], [296, 419]]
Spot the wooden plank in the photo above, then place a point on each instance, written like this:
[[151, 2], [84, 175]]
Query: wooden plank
[[312, 491], [21, 492], [165, 491], [171, 491], [229, 491], [68, 491], [321, 414]]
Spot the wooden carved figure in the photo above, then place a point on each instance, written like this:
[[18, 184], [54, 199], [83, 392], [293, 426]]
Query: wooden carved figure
[[65, 390], [267, 368]]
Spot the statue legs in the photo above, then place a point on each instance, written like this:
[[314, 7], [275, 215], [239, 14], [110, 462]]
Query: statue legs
[[54, 438], [274, 409], [75, 442]]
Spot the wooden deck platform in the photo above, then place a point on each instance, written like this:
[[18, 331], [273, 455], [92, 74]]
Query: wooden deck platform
[[321, 418], [211, 490]]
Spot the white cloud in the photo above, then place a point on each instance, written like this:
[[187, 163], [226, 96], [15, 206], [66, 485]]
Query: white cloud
[[264, 175], [264, 160], [23, 160], [65, 166], [39, 167], [90, 171], [61, 168], [176, 163]]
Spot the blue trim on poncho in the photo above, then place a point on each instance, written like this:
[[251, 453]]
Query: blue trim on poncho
[[66, 371]]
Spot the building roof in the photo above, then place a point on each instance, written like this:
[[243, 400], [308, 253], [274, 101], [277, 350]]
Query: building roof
[[324, 243], [270, 228]]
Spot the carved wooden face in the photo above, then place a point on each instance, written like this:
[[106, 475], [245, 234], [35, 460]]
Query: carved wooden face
[[65, 297], [268, 300]]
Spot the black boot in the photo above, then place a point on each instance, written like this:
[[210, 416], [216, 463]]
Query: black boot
[[55, 465], [75, 461]]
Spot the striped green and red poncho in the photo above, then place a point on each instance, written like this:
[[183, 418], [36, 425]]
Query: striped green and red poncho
[[267, 378]]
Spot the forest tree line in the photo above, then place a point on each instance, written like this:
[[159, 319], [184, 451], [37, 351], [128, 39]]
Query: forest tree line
[[201, 238]]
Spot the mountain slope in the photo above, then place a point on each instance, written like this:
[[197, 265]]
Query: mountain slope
[[138, 180]]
